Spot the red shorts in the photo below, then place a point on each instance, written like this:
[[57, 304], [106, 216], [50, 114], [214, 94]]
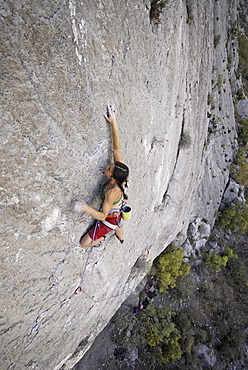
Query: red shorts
[[99, 230]]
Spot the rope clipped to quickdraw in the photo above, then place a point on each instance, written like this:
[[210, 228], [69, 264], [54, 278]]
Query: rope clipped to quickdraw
[[79, 289]]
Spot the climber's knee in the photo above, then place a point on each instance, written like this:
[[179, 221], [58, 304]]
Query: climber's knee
[[85, 241]]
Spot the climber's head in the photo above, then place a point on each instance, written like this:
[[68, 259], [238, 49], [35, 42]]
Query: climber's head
[[120, 173]]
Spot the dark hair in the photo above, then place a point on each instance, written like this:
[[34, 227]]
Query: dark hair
[[120, 174]]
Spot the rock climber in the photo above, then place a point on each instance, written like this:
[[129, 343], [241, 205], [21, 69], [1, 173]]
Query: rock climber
[[109, 217]]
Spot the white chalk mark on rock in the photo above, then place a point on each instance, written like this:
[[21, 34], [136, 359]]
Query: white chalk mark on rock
[[79, 31], [96, 151], [50, 221]]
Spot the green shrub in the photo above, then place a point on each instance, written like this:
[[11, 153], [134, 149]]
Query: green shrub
[[158, 330], [172, 350], [211, 101], [215, 260], [229, 62], [232, 346], [237, 274], [155, 324], [235, 28], [229, 253], [169, 267], [239, 167], [243, 131], [220, 81], [235, 218], [243, 60]]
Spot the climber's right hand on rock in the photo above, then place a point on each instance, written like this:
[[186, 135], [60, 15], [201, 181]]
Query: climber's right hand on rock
[[110, 116], [80, 206]]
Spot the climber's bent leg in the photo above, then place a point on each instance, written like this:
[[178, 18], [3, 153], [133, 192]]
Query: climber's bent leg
[[87, 242], [95, 235]]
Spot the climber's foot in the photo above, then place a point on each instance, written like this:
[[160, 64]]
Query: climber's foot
[[100, 243], [120, 240]]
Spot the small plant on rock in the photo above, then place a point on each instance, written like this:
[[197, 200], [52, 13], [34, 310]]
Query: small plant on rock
[[220, 81], [243, 60], [190, 16], [217, 40], [157, 7], [211, 101]]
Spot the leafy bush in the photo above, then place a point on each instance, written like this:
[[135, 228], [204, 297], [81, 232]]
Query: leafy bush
[[228, 252], [237, 274], [243, 131], [158, 330], [235, 218], [240, 164], [215, 260], [232, 346], [240, 167], [155, 324], [169, 267], [243, 59]]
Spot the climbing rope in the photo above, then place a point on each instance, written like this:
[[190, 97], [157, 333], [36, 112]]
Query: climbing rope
[[79, 289]]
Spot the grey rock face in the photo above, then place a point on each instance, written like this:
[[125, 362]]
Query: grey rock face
[[62, 62], [233, 194]]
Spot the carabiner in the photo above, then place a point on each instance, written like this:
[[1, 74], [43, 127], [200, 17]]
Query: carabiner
[[78, 290]]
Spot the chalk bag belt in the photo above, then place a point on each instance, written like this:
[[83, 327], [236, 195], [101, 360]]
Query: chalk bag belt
[[108, 224]]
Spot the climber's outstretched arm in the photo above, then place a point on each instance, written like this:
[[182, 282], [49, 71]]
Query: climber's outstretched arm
[[81, 206], [111, 118]]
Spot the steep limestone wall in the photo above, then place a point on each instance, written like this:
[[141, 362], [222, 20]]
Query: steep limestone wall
[[62, 62]]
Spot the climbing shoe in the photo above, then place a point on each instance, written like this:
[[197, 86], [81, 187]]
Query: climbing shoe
[[99, 244], [120, 240]]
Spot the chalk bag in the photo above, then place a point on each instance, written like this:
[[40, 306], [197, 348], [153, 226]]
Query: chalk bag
[[126, 213]]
